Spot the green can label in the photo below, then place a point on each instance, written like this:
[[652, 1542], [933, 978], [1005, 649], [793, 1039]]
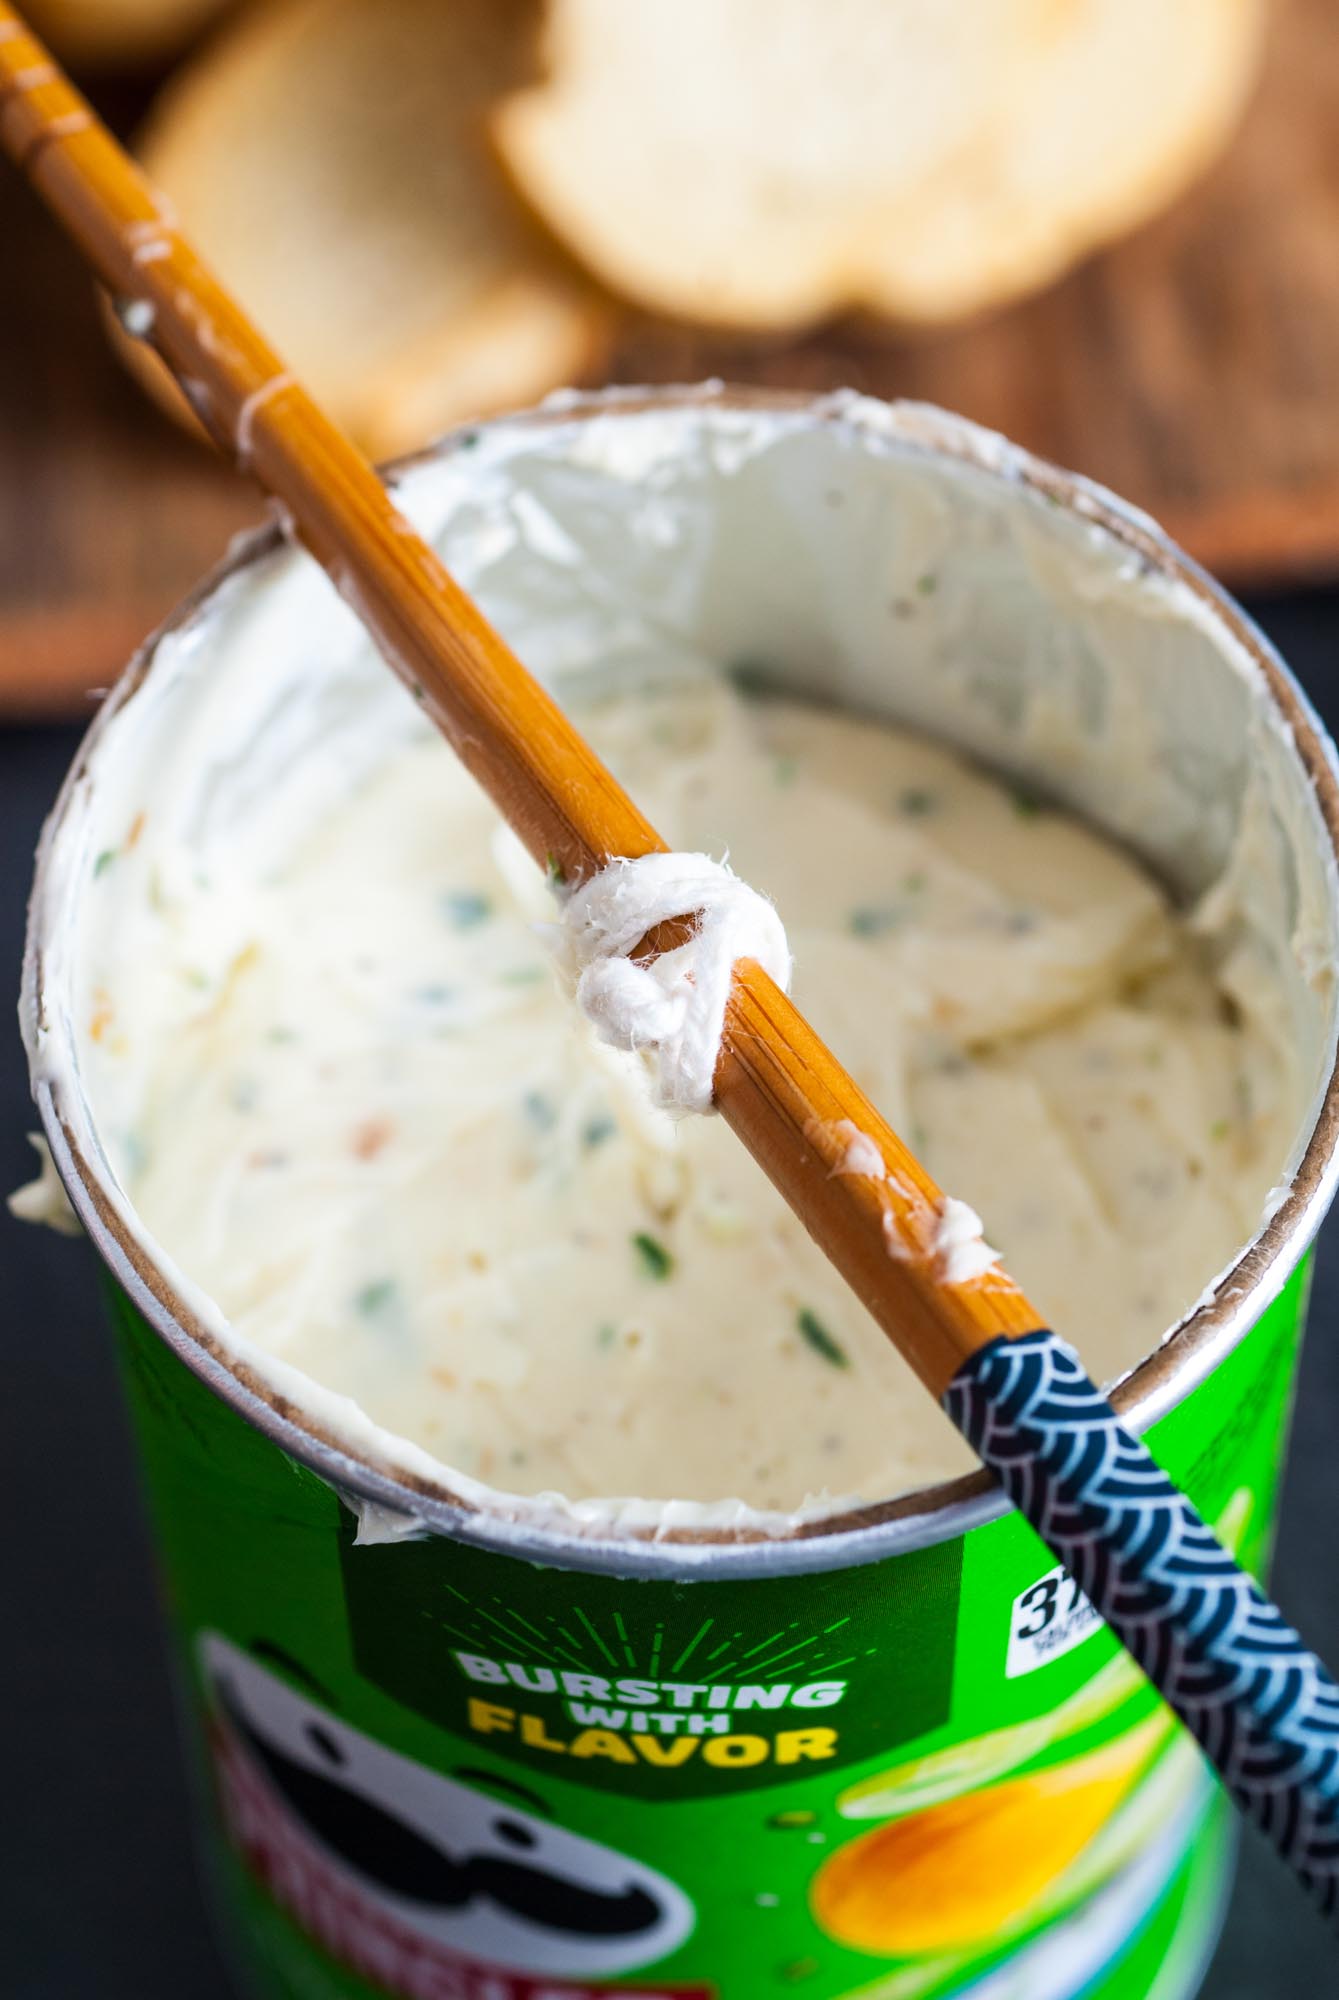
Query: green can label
[[443, 1773], [702, 1690]]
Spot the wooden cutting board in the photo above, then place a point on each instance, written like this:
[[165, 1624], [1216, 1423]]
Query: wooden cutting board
[[1194, 368]]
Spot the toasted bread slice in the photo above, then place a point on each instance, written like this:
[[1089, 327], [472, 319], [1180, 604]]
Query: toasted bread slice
[[766, 163], [329, 159]]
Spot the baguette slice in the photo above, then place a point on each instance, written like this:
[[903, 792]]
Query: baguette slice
[[1128, 102], [763, 164], [116, 34], [329, 158], [726, 161]]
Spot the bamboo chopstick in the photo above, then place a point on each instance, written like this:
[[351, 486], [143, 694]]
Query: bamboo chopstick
[[1261, 1705]]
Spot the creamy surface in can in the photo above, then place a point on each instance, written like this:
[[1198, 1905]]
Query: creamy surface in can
[[376, 1132]]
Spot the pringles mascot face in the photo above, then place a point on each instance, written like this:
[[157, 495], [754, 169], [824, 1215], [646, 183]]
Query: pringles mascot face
[[469, 1873]]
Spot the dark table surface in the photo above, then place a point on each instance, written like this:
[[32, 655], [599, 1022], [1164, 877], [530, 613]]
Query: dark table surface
[[98, 1897]]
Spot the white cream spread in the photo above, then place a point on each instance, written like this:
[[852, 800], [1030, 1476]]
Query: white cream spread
[[672, 1007], [379, 1135], [44, 1199], [287, 1000], [859, 1153], [960, 1243]]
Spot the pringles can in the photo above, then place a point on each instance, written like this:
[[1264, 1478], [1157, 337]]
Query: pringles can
[[461, 1745]]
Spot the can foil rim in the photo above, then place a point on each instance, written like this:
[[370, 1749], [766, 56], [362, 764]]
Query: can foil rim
[[1159, 1383]]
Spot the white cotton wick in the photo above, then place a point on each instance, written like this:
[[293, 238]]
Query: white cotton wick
[[960, 1244], [674, 1006]]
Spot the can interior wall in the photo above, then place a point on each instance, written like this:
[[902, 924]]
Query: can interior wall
[[953, 1685]]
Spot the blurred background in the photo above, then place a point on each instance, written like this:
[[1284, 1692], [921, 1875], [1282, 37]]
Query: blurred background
[[1108, 228], [1105, 227]]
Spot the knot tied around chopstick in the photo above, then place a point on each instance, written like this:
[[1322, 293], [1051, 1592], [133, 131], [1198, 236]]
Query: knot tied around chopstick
[[673, 1005]]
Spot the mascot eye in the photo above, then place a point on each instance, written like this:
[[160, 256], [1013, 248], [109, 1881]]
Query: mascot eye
[[512, 1830], [321, 1739]]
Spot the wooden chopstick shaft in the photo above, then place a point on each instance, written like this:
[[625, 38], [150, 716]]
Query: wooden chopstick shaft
[[776, 1083]]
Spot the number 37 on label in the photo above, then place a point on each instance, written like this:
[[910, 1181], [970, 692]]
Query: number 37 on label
[[1048, 1619]]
